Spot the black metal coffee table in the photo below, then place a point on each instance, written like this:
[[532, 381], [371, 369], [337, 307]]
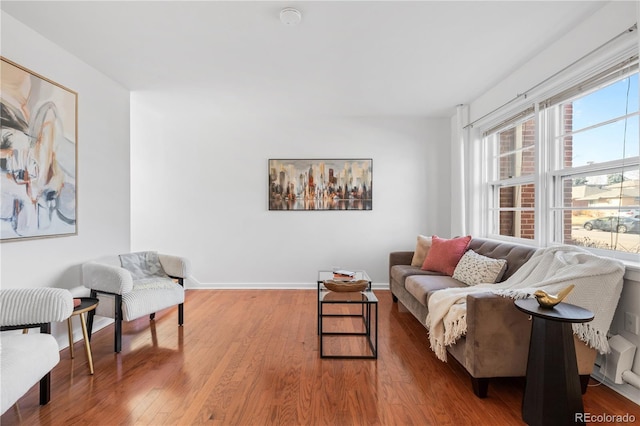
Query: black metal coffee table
[[366, 309]]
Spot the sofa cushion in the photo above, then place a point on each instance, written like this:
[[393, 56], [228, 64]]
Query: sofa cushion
[[444, 255], [475, 268], [139, 303], [142, 300], [400, 272], [422, 248], [422, 286], [516, 255]]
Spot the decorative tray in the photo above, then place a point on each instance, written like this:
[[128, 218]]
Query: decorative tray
[[344, 286]]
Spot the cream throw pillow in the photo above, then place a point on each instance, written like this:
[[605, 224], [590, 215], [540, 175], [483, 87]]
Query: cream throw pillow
[[422, 248], [475, 268]]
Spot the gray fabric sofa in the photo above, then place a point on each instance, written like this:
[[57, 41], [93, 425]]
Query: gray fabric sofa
[[496, 343]]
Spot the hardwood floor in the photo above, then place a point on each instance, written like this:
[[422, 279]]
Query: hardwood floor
[[250, 357]]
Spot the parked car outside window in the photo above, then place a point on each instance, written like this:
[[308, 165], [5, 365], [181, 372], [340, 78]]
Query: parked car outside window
[[614, 224]]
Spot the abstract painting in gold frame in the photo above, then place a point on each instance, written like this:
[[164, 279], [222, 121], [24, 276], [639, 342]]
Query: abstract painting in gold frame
[[38, 155]]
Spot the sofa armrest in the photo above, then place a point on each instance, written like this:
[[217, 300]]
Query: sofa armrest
[[107, 278], [400, 258], [175, 266], [27, 306], [495, 327]]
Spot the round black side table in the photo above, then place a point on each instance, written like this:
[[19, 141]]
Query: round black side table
[[552, 393]]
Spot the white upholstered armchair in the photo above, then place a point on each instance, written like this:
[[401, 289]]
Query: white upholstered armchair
[[26, 358], [133, 285]]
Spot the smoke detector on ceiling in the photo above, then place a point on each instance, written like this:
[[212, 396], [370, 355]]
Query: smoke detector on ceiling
[[290, 16]]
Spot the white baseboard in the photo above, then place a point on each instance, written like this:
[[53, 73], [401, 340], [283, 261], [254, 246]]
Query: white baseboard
[[269, 286], [193, 283]]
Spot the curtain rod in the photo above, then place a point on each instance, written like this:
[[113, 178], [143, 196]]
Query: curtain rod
[[631, 29]]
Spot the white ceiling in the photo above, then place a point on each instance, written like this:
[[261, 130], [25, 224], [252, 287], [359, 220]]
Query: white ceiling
[[345, 57]]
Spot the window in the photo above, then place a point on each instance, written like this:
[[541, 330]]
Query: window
[[512, 193], [594, 168], [567, 170]]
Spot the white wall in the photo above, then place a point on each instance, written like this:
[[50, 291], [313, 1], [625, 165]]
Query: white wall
[[103, 169], [199, 189]]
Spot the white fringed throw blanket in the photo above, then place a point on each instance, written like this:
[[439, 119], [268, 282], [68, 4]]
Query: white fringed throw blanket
[[597, 280]]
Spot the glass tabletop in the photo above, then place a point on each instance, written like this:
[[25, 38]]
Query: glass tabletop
[[328, 296]]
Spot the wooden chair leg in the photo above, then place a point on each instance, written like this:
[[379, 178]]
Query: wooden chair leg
[[87, 345], [70, 332], [152, 316]]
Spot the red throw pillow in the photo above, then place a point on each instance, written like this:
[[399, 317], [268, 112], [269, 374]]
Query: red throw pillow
[[445, 254]]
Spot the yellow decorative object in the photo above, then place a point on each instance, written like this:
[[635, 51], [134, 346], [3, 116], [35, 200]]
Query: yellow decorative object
[[550, 300]]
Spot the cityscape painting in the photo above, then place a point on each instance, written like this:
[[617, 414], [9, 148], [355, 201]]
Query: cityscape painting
[[319, 184]]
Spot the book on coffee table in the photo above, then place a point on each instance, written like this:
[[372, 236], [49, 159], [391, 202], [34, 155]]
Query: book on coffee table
[[343, 273]]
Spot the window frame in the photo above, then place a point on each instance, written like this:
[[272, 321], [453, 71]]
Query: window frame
[[495, 183]]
